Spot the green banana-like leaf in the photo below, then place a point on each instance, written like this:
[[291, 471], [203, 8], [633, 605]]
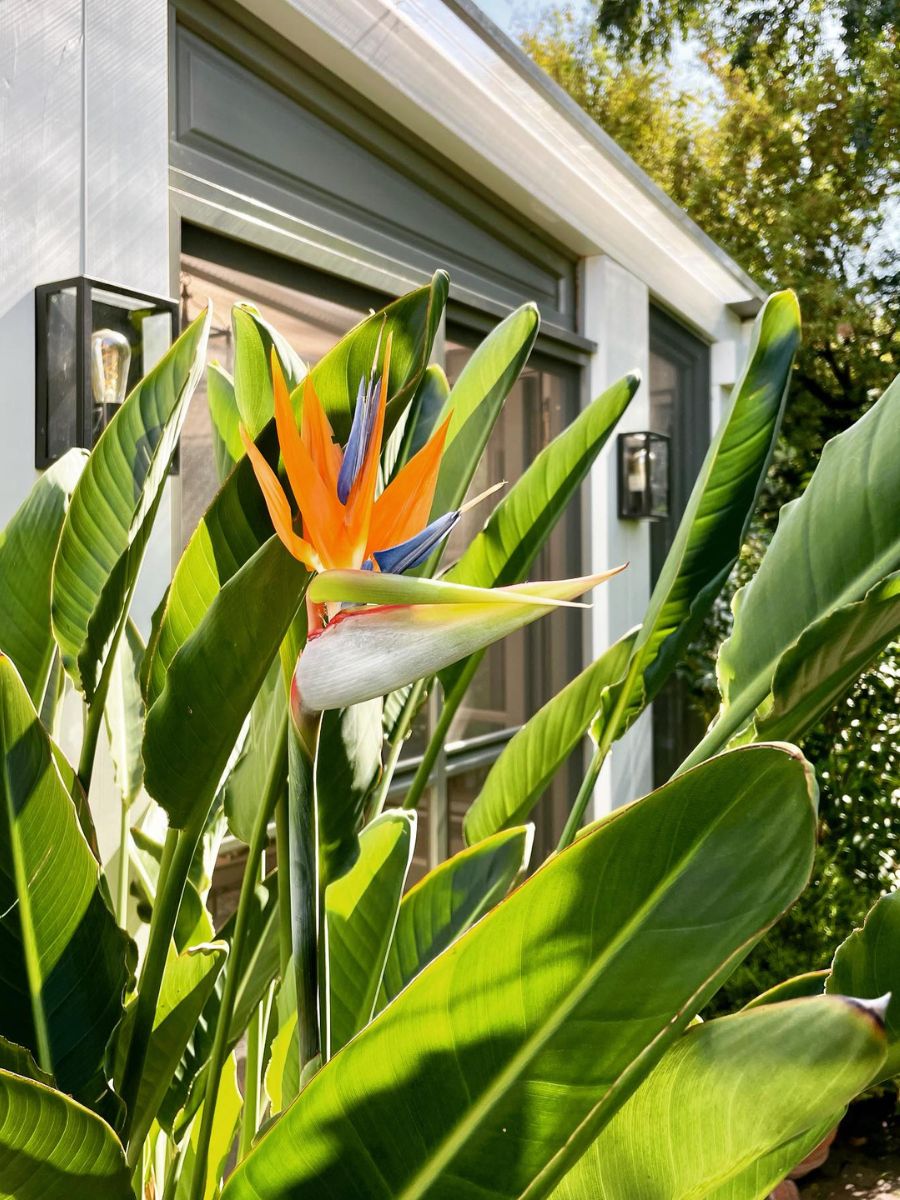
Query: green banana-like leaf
[[347, 765], [212, 682], [257, 970], [714, 524], [826, 659], [832, 549], [413, 322], [476, 400], [624, 935], [517, 529], [63, 966], [72, 784], [758, 1179], [360, 916], [254, 340], [868, 962], [123, 714], [229, 1104], [246, 783], [728, 1093], [810, 983], [223, 410], [449, 900], [528, 762], [428, 403], [19, 1061], [27, 549], [283, 1069], [187, 983], [234, 528], [53, 1149], [113, 508]]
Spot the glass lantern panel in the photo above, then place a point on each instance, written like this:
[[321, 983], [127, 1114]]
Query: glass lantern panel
[[146, 330], [659, 477], [62, 372]]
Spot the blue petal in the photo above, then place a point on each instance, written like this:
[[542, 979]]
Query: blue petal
[[360, 436], [415, 550]]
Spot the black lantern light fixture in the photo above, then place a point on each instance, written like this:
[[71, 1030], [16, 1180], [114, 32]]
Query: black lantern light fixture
[[93, 341], [643, 476]]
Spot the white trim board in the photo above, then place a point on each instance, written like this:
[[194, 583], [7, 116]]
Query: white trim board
[[442, 72]]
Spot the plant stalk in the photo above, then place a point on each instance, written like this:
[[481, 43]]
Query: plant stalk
[[283, 854], [259, 837], [607, 737], [576, 814], [177, 856], [305, 887], [452, 702], [402, 729], [122, 879], [95, 708], [253, 1065]]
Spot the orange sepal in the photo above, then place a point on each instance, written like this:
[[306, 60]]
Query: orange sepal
[[317, 434], [320, 508], [403, 508], [278, 505]]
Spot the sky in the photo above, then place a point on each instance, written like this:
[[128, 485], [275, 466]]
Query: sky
[[506, 12]]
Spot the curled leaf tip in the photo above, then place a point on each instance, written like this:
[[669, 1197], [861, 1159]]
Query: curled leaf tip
[[876, 1008]]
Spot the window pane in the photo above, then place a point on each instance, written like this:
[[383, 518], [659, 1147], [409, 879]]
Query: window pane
[[519, 674], [522, 672], [310, 323]]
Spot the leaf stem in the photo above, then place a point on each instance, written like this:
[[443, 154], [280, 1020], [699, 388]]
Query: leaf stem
[[401, 729], [253, 1065], [97, 705], [607, 737], [258, 840], [282, 855], [452, 702], [305, 888], [178, 854], [122, 878], [573, 823]]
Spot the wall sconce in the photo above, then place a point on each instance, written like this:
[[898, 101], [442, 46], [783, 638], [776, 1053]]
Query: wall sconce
[[643, 476], [93, 342]]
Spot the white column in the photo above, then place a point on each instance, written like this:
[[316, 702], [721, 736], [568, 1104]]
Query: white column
[[617, 306]]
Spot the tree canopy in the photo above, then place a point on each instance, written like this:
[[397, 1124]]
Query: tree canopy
[[792, 169]]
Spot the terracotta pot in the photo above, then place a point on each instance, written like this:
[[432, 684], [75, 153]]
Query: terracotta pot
[[815, 1158], [785, 1191]]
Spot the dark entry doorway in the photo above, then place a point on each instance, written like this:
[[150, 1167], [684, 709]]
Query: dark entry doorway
[[679, 407]]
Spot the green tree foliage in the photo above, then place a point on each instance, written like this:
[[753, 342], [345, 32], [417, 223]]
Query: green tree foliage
[[774, 127], [793, 171]]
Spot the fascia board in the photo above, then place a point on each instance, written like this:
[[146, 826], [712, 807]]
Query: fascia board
[[453, 85]]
